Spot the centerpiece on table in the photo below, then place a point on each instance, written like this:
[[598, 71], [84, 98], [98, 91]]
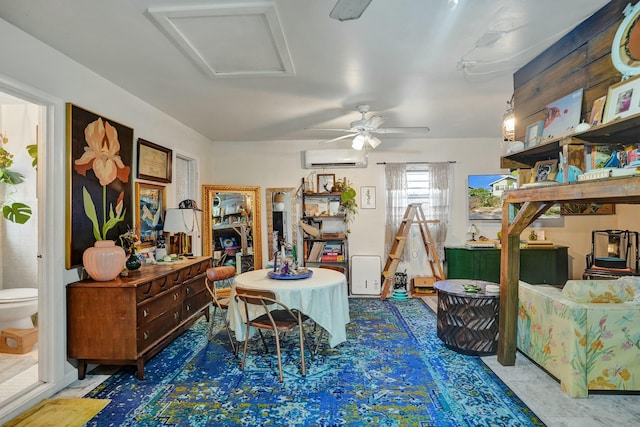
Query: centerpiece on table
[[286, 267]]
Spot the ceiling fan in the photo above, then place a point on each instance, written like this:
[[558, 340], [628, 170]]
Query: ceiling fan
[[364, 130]]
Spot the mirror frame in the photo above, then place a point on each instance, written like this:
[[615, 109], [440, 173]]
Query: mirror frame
[[269, 199], [208, 191]]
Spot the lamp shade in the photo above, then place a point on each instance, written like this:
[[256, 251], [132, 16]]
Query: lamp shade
[[179, 220], [358, 142], [473, 229]]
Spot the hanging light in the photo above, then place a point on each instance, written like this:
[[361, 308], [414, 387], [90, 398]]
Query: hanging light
[[509, 123], [358, 142], [374, 142]]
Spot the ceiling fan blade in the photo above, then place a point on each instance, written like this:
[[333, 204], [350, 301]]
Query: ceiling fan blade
[[330, 129], [340, 137], [375, 121], [406, 130], [348, 9]]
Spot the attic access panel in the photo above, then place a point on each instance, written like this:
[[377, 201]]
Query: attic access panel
[[254, 43]]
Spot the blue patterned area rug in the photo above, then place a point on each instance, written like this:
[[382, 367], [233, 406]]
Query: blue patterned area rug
[[392, 371]]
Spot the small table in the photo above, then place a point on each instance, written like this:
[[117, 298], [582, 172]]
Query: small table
[[468, 322], [322, 297]]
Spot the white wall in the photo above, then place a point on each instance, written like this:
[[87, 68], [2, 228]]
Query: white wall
[[19, 242]]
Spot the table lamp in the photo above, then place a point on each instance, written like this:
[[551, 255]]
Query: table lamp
[[473, 230], [182, 222]]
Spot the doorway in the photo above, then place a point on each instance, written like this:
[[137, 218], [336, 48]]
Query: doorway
[[22, 124]]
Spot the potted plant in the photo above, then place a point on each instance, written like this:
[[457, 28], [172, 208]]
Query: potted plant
[[347, 200], [12, 210]]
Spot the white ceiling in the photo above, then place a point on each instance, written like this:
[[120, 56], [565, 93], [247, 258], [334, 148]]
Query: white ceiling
[[284, 65]]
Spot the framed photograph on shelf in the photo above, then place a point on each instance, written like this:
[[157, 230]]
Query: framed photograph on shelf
[[154, 161], [534, 133], [597, 110], [545, 171], [368, 197], [622, 99], [150, 200], [563, 115], [326, 182]]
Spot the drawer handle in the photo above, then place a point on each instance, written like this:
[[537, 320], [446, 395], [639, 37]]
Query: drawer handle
[[188, 307], [146, 335], [176, 296], [187, 290], [176, 315], [145, 312]]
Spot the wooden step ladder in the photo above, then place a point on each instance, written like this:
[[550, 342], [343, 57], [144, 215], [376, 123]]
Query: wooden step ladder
[[413, 214]]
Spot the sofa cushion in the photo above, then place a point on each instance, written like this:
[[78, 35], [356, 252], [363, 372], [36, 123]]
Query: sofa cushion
[[625, 289]]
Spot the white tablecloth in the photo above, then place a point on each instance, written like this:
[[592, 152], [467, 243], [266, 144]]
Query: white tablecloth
[[322, 297]]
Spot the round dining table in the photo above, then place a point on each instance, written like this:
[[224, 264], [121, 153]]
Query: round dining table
[[322, 297]]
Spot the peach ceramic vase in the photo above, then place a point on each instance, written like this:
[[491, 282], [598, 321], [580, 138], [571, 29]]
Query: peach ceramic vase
[[104, 261]]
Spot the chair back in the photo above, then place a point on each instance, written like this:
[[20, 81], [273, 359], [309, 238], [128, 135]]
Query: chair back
[[219, 275], [333, 267], [259, 297]]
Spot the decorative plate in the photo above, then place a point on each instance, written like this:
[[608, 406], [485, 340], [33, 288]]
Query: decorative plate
[[625, 49], [278, 276]]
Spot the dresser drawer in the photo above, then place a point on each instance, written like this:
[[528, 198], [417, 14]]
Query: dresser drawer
[[195, 303], [152, 288], [154, 308], [156, 329]]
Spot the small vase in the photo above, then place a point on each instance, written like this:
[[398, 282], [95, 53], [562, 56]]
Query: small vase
[[103, 261], [133, 263]]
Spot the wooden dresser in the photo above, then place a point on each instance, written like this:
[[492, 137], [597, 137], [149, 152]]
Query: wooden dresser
[[128, 320]]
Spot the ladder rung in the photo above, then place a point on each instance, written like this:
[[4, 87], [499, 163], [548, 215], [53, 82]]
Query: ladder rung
[[401, 237]]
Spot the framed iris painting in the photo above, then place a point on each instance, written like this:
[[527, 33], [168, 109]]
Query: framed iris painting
[[99, 191]]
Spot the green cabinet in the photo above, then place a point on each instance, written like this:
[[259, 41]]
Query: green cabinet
[[537, 265]]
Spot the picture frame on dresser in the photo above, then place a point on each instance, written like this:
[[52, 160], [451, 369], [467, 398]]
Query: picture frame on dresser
[[150, 202], [154, 162]]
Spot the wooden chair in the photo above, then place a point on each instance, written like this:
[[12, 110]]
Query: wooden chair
[[333, 267], [281, 319], [218, 282]]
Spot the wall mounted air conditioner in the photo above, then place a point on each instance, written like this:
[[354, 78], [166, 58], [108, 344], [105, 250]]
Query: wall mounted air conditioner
[[335, 158]]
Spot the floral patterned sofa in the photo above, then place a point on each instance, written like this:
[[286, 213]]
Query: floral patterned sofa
[[587, 335]]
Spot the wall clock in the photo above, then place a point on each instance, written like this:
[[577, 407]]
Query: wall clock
[[625, 49]]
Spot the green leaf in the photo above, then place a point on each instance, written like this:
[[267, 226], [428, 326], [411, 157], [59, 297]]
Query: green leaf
[[11, 177], [32, 149], [90, 211], [113, 220], [17, 212]]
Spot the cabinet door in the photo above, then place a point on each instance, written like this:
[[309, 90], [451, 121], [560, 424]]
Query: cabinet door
[[487, 265], [544, 266], [460, 263]]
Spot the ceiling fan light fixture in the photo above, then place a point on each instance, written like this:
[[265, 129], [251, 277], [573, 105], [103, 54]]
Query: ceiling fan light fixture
[[345, 10], [358, 142], [374, 142]]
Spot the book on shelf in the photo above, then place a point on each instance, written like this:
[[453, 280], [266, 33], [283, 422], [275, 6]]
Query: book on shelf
[[538, 243], [480, 244], [316, 252], [332, 258]]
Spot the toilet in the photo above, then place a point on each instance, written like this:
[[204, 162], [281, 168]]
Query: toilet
[[16, 307]]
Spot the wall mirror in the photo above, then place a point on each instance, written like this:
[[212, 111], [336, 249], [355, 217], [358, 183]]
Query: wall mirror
[[231, 226], [281, 218]]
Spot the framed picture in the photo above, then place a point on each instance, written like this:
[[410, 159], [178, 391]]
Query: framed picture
[[150, 200], [98, 201], [623, 99], [597, 110], [368, 197], [534, 133], [545, 170], [154, 162], [326, 182], [563, 115]]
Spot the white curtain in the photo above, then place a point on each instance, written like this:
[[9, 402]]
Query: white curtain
[[435, 198], [438, 205], [396, 203]]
